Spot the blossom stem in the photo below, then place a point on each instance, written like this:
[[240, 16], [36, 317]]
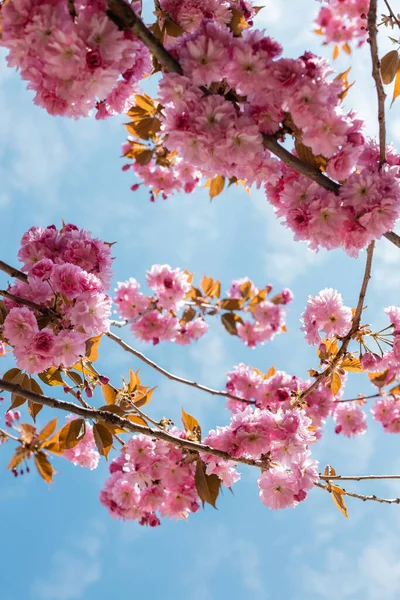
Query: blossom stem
[[361, 496]]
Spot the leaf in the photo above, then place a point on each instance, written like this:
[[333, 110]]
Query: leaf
[[335, 52], [331, 348], [396, 89], [346, 48], [231, 304], [13, 376], [44, 467], [16, 401], [145, 103], [389, 66], [34, 409], [207, 486], [211, 288], [305, 154], [19, 456], [113, 408], [245, 290], [92, 348], [336, 383], [145, 399], [134, 380], [71, 434], [191, 425], [136, 419], [238, 22], [109, 393], [395, 391], [329, 471], [52, 376], [352, 364], [75, 377], [230, 321], [337, 495], [380, 378], [172, 28], [188, 315], [103, 439], [145, 129], [216, 186], [48, 430], [271, 372]]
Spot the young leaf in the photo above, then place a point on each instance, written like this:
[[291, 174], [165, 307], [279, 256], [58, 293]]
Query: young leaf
[[336, 383], [396, 90], [142, 401], [13, 376], [231, 304], [352, 364], [211, 288], [389, 66], [44, 467], [191, 425], [380, 379], [337, 495], [71, 434], [48, 430], [34, 409], [109, 393], [271, 372], [92, 348], [136, 419], [207, 486], [52, 376], [230, 321], [216, 186], [103, 439]]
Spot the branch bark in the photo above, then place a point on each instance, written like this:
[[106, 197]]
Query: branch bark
[[122, 423], [376, 74], [13, 272]]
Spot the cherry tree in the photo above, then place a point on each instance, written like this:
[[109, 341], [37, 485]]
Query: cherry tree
[[230, 110]]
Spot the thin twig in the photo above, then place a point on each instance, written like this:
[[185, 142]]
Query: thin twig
[[122, 423], [360, 496], [391, 13], [169, 375], [9, 435], [376, 74], [13, 272], [361, 398], [357, 477]]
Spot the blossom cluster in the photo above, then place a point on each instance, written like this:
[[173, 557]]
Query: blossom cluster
[[326, 312], [350, 419], [188, 14], [343, 21], [387, 412], [365, 208], [68, 273], [179, 177], [153, 319], [150, 476], [73, 63], [284, 436], [156, 318]]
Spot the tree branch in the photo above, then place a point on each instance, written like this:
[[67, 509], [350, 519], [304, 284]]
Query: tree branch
[[122, 423], [357, 477], [29, 303], [354, 328], [13, 272], [376, 74], [391, 13], [169, 375], [360, 496]]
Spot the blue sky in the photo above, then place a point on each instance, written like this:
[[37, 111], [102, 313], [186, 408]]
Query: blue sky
[[58, 542]]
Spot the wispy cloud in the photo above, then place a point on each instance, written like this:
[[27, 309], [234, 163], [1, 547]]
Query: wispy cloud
[[73, 569]]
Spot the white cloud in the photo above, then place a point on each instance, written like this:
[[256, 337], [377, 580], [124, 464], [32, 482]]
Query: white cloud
[[73, 570]]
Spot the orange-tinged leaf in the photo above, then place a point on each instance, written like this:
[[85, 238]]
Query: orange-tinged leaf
[[335, 52], [34, 409], [52, 376], [380, 378], [245, 290], [396, 90], [109, 393], [389, 66], [13, 376], [238, 22], [337, 495], [16, 401], [230, 321], [44, 467], [136, 419], [216, 186], [144, 399], [207, 486], [352, 364], [103, 439], [346, 48], [144, 102], [19, 456], [271, 371], [191, 425], [48, 430], [395, 390], [211, 288], [133, 381], [92, 348], [231, 304], [72, 433], [336, 383]]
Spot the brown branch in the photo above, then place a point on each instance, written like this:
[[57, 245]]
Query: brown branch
[[13, 272], [357, 477], [124, 17], [72, 9], [360, 496], [171, 376], [354, 328], [376, 74], [25, 302], [122, 423], [361, 398]]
